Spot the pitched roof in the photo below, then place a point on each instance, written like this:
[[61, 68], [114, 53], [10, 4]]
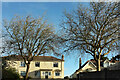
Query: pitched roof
[[94, 62], [36, 58]]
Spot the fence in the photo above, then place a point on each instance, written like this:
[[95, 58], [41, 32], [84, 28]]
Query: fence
[[102, 75]]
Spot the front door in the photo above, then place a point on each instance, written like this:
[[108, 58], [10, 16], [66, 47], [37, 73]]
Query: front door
[[46, 75]]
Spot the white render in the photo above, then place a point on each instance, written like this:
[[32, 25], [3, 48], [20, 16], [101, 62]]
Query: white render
[[45, 66]]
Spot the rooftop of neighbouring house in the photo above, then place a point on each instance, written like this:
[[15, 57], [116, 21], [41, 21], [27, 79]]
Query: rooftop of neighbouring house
[[94, 62]]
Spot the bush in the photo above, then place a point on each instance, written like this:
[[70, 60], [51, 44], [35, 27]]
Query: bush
[[10, 74], [66, 77]]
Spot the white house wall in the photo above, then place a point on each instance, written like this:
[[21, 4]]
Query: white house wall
[[47, 65]]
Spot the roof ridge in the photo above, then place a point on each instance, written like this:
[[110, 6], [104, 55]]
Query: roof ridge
[[44, 58]]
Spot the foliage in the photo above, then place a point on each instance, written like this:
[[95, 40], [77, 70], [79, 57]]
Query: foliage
[[117, 57], [104, 58], [66, 77], [93, 29], [10, 73]]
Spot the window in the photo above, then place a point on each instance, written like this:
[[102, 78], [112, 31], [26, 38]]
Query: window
[[22, 64], [57, 73], [49, 73], [55, 64], [22, 73], [37, 64], [37, 73], [46, 73]]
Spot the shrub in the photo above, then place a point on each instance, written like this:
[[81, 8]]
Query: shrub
[[10, 73]]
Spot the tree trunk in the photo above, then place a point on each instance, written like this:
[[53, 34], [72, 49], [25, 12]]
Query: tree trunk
[[27, 70], [98, 65]]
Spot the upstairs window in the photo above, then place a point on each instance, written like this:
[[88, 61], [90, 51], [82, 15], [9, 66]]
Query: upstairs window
[[55, 64], [22, 64], [57, 73], [37, 64]]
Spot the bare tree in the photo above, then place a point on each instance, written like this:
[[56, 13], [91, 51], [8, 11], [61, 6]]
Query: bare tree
[[29, 37], [93, 29]]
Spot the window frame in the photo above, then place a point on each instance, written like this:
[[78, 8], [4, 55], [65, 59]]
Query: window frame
[[36, 64], [58, 73], [49, 73], [36, 74], [55, 64], [22, 64], [43, 73], [22, 72]]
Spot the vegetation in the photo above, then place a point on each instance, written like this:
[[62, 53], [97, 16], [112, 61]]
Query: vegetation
[[66, 77], [104, 58], [10, 73], [29, 37], [117, 57], [93, 29]]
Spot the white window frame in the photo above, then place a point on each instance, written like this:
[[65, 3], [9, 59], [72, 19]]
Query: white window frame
[[22, 64], [43, 73], [22, 72], [56, 64], [38, 74], [57, 72], [49, 73], [36, 63]]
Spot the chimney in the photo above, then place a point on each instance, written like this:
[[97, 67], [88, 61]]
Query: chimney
[[112, 60], [79, 63], [62, 57]]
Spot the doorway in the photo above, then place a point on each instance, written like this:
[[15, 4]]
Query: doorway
[[46, 75]]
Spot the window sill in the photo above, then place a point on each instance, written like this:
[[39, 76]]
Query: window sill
[[22, 66]]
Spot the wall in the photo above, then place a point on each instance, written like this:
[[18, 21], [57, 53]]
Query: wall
[[103, 75], [47, 65]]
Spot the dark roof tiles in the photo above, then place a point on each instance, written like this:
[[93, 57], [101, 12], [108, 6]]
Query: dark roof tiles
[[36, 58]]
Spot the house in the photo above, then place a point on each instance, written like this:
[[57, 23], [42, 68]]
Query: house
[[40, 67], [114, 65], [91, 66], [87, 67]]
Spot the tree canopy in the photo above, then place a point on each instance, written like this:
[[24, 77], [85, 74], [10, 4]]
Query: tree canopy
[[93, 29], [29, 37]]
